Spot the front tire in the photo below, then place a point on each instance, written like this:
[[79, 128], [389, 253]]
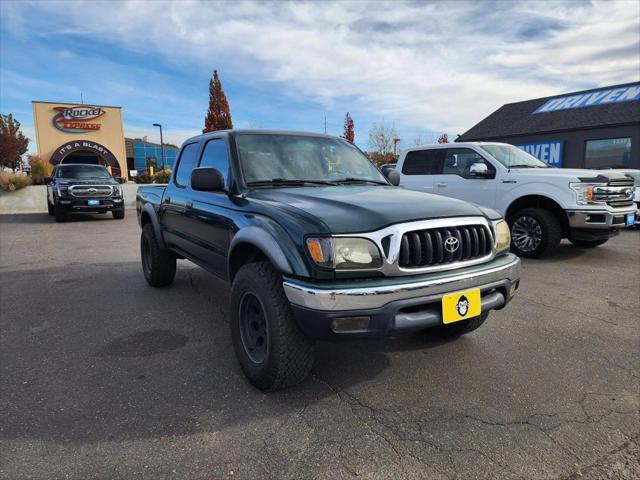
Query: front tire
[[50, 209], [118, 214], [535, 232], [459, 328], [588, 243], [158, 264], [60, 214], [272, 351]]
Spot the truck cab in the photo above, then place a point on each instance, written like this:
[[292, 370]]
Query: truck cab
[[541, 204]]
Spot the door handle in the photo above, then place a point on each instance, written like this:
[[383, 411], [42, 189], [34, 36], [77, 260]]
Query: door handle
[[509, 181], [441, 185], [166, 200], [189, 205]]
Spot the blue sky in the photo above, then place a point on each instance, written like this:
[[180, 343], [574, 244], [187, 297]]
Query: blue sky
[[423, 67]]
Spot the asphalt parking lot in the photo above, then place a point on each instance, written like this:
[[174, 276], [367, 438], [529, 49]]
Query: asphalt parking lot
[[105, 377]]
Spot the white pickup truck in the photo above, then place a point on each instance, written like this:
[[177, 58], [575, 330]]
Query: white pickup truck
[[541, 204]]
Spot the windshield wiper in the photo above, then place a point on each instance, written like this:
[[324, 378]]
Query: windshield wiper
[[360, 180], [284, 181]]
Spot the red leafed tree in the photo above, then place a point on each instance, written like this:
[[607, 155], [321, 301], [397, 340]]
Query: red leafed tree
[[12, 142], [444, 138], [349, 132], [218, 117]]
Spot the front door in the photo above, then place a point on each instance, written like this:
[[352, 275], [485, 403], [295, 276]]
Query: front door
[[457, 181]]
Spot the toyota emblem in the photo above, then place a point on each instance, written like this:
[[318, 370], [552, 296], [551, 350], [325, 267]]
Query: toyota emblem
[[92, 190], [451, 244]]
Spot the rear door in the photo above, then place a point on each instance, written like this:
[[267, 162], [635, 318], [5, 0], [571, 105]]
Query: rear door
[[422, 170], [175, 201]]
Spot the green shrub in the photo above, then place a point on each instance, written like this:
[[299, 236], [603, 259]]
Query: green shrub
[[143, 178], [10, 182], [39, 169], [162, 176]]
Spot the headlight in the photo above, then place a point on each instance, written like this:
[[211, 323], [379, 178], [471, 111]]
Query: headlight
[[584, 192], [344, 253], [62, 190], [117, 191], [503, 236]]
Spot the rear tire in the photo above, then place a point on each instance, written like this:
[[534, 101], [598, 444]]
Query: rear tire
[[588, 243], [535, 232], [118, 214], [272, 351], [60, 214], [158, 264], [459, 328]]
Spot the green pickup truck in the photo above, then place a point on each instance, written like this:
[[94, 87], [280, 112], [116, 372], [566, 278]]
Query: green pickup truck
[[318, 245]]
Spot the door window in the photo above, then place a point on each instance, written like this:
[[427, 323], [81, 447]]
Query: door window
[[186, 164], [424, 162], [459, 160], [215, 155]]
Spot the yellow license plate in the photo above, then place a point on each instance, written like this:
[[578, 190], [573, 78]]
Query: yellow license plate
[[461, 305]]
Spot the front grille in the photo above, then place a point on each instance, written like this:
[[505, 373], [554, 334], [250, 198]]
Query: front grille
[[90, 191], [436, 246], [615, 193]]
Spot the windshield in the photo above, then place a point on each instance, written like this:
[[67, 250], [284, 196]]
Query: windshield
[[297, 158], [513, 157], [83, 171]]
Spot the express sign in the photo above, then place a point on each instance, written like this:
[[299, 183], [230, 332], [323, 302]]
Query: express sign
[[77, 119]]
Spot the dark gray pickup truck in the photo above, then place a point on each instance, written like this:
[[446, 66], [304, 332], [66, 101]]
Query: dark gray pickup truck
[[317, 244]]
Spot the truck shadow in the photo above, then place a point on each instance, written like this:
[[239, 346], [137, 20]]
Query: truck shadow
[[98, 355]]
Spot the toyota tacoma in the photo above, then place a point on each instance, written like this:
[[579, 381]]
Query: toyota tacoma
[[317, 244]]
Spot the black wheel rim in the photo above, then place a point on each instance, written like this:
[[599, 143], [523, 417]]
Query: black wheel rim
[[146, 254], [526, 234], [253, 328]]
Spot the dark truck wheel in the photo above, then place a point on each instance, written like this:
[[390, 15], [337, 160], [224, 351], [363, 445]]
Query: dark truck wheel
[[272, 351], [50, 209], [158, 264], [459, 328], [118, 214], [587, 243], [535, 232], [60, 214]]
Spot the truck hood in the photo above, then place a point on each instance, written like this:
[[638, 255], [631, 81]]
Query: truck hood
[[85, 181], [363, 208], [571, 174]]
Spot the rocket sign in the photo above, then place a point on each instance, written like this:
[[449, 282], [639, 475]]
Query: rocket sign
[[77, 119]]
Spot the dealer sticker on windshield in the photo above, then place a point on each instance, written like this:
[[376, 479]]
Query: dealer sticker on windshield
[[461, 305]]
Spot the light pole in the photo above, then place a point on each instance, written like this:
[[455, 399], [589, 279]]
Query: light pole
[[161, 143]]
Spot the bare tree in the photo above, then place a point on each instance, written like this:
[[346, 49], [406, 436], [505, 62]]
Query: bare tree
[[381, 138]]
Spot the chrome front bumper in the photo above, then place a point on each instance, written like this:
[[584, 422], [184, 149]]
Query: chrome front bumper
[[600, 219], [503, 270]]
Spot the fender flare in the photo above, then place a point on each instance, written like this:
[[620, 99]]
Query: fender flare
[[155, 222], [264, 241]]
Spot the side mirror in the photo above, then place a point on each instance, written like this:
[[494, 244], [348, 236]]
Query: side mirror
[[120, 180], [47, 180], [207, 179], [394, 177], [479, 170]]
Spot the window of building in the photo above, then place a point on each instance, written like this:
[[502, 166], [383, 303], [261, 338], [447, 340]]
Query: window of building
[[607, 153], [186, 164], [424, 162], [215, 155]]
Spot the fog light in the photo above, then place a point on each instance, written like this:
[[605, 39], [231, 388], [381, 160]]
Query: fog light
[[513, 288], [350, 324]]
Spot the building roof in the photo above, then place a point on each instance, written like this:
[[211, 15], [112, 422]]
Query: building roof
[[519, 119]]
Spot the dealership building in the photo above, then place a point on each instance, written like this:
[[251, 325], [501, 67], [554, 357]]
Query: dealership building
[[597, 128], [72, 133]]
